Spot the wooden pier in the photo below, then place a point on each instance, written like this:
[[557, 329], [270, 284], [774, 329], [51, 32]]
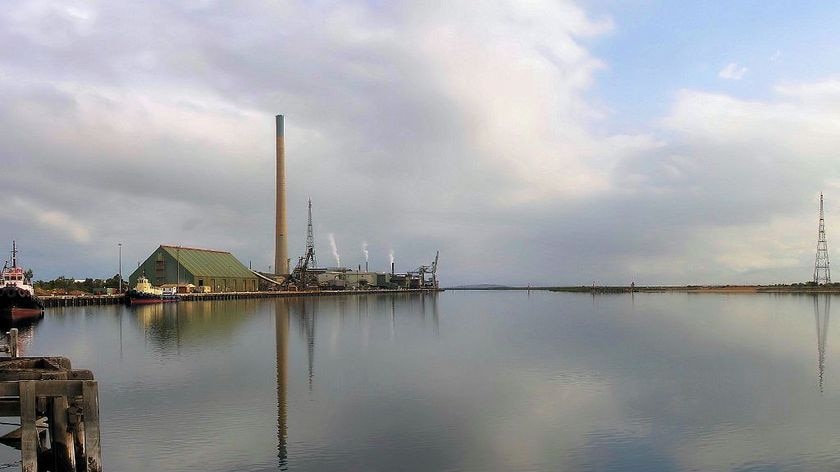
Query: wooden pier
[[86, 300], [58, 407], [81, 300]]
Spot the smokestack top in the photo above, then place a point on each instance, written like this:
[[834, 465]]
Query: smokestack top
[[280, 125]]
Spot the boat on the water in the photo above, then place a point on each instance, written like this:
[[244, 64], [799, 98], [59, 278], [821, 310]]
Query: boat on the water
[[17, 296], [144, 292]]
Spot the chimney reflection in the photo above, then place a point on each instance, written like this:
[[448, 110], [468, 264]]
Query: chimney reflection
[[822, 312], [393, 317], [281, 322]]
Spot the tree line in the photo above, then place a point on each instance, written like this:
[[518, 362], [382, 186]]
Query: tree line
[[88, 285]]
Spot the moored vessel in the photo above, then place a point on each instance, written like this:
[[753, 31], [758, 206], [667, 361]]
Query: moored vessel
[[17, 296], [144, 292]]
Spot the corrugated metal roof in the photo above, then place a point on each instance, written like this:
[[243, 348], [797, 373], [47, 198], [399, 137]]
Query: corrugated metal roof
[[207, 262]]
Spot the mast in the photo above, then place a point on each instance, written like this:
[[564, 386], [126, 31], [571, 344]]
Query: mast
[[14, 254], [822, 272], [310, 236]]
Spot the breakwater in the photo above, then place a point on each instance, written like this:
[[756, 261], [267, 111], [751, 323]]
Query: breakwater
[[84, 300]]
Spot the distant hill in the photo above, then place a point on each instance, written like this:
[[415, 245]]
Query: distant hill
[[479, 287]]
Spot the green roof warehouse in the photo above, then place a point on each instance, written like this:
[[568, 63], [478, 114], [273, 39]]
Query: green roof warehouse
[[218, 270]]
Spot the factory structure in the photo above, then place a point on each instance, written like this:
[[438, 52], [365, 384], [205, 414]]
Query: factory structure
[[192, 269], [306, 275]]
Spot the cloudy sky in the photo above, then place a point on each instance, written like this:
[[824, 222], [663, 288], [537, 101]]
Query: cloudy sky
[[535, 141]]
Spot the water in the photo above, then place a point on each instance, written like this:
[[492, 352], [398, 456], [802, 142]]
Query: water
[[471, 381]]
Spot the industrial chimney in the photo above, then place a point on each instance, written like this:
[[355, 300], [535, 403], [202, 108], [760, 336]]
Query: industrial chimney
[[281, 255]]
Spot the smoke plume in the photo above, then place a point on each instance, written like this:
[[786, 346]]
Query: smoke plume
[[335, 250], [391, 255], [365, 250]]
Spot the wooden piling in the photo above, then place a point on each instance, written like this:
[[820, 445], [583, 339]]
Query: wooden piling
[[51, 396], [13, 342], [29, 435], [90, 399], [64, 450]]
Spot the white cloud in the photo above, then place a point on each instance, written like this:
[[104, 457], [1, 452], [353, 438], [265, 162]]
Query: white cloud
[[516, 75], [732, 71], [744, 178], [61, 225], [825, 91]]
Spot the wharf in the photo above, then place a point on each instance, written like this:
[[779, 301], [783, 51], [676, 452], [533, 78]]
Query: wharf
[[85, 300], [58, 408], [81, 300]]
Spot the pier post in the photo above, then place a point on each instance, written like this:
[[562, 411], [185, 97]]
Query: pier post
[[29, 433], [13, 342], [78, 428], [64, 450], [90, 399]]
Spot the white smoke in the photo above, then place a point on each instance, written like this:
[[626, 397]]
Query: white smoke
[[365, 250], [335, 250], [391, 255]]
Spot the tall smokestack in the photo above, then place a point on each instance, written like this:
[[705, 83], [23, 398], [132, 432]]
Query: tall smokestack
[[281, 253]]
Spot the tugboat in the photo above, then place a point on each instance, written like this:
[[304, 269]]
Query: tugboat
[[17, 297], [144, 292]]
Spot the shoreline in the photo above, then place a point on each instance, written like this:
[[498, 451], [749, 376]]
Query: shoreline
[[51, 301], [798, 289]]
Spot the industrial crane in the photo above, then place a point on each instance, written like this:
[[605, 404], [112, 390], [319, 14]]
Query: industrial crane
[[299, 275], [428, 269]]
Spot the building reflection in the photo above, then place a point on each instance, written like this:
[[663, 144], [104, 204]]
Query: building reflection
[[160, 324], [822, 313], [169, 325]]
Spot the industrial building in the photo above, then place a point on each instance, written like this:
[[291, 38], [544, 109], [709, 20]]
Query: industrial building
[[218, 271], [340, 278], [307, 275]]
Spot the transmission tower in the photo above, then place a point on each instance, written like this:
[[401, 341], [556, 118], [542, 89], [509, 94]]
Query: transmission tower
[[310, 236], [822, 272]]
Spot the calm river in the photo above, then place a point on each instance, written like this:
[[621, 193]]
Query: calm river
[[472, 381]]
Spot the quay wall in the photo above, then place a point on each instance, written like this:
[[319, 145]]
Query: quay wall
[[84, 300]]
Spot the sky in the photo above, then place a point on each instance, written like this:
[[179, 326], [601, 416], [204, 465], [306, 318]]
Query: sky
[[543, 142]]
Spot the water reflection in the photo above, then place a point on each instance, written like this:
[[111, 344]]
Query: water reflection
[[168, 325], [306, 309], [335, 316], [459, 381], [822, 313], [281, 309], [26, 330]]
